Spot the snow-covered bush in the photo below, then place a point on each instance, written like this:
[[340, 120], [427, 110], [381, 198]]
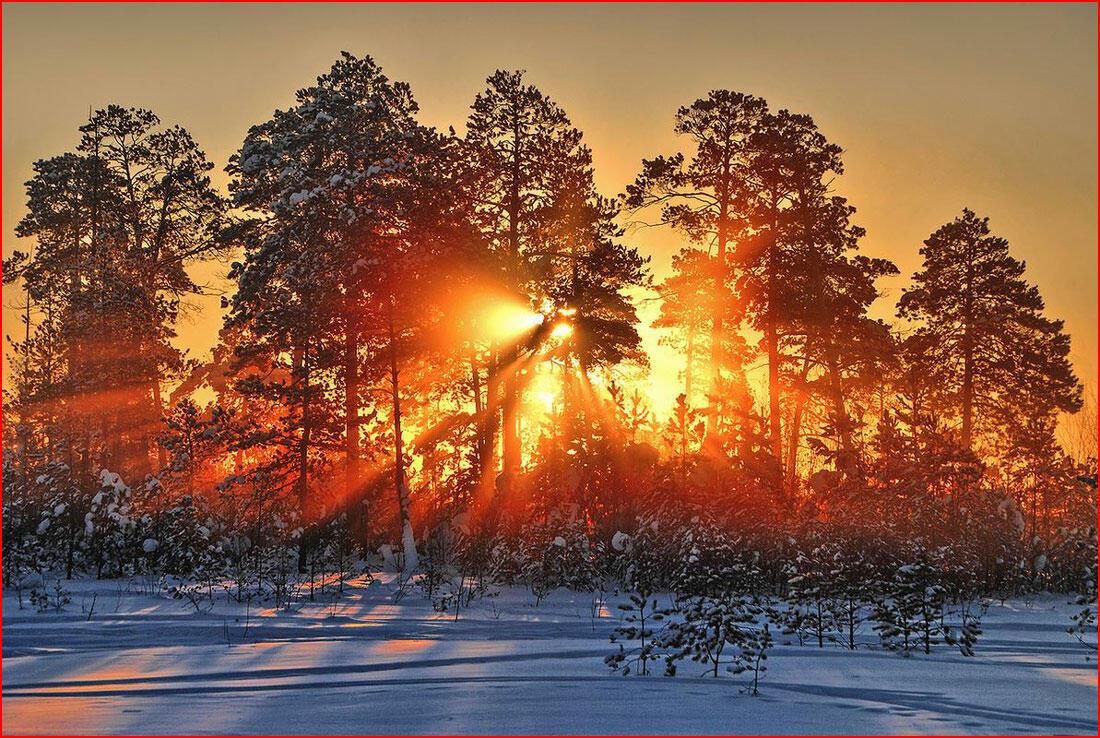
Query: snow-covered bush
[[813, 605], [721, 601], [1083, 622], [438, 569], [481, 555], [642, 559], [112, 539], [710, 561], [174, 532], [1068, 562], [60, 527], [559, 552], [23, 554], [910, 615], [833, 582], [332, 557]]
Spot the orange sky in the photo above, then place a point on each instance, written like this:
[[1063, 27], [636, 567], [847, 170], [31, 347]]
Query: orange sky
[[989, 106]]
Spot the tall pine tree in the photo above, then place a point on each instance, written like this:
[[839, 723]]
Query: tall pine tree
[[999, 356]]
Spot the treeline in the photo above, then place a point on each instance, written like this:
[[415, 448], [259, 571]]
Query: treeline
[[432, 350]]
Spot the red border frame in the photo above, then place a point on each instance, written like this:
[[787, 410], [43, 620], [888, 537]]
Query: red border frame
[[788, 2]]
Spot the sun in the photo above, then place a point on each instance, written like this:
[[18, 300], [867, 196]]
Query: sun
[[547, 399], [507, 320], [561, 330]]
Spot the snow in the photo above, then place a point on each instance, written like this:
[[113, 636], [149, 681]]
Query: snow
[[145, 663]]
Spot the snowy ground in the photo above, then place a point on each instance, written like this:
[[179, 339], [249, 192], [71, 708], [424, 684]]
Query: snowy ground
[[147, 664]]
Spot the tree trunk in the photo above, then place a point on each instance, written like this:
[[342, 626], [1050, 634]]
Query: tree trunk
[[351, 414], [689, 359], [301, 371], [716, 322], [492, 421], [968, 366], [836, 391], [158, 413], [772, 339], [482, 425], [796, 427], [512, 457], [408, 540], [25, 425]]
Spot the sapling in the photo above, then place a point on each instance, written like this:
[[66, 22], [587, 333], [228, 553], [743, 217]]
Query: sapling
[[44, 600], [717, 630], [641, 612], [1084, 620], [753, 655]]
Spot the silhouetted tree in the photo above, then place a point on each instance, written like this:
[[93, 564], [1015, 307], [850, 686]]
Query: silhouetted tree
[[702, 195], [116, 225], [997, 353], [328, 181], [529, 152], [687, 315]]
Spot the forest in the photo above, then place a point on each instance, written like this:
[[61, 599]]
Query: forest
[[430, 364]]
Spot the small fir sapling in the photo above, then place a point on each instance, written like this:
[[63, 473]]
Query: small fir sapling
[[754, 655], [716, 631], [54, 598], [810, 594], [640, 614], [854, 588], [721, 605], [957, 564], [637, 566]]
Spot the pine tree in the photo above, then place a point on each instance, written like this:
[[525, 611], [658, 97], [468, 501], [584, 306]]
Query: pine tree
[[330, 180], [587, 277], [527, 149], [720, 602], [641, 612], [842, 354], [718, 630], [909, 617], [812, 610], [683, 433], [687, 313], [116, 224], [701, 195], [853, 585], [999, 355]]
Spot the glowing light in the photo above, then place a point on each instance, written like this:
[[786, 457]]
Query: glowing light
[[568, 311], [404, 645], [507, 320], [561, 330], [547, 399]]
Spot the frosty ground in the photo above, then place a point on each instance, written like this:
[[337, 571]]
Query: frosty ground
[[146, 663]]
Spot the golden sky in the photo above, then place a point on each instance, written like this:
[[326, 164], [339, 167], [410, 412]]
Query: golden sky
[[993, 107]]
